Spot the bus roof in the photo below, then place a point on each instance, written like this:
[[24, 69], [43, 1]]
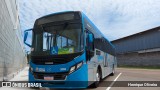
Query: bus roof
[[58, 13]]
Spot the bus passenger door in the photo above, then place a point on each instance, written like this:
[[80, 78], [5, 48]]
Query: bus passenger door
[[90, 57], [106, 69]]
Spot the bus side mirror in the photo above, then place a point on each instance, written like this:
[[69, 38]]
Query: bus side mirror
[[25, 37], [90, 38]]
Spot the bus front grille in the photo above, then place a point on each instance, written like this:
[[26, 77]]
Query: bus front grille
[[56, 76], [53, 62]]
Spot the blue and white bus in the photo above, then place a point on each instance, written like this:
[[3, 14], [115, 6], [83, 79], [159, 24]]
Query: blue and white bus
[[68, 51]]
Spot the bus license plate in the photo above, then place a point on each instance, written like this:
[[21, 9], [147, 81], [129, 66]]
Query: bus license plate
[[48, 78]]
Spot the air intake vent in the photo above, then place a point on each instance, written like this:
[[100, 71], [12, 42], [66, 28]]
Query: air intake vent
[[54, 59], [49, 61]]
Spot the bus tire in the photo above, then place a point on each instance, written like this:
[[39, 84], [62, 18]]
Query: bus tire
[[98, 78], [113, 71]]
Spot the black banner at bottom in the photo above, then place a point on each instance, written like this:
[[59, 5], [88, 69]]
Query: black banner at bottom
[[77, 84]]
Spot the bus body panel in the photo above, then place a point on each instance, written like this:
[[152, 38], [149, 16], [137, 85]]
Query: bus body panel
[[98, 60], [78, 77], [86, 74], [60, 67]]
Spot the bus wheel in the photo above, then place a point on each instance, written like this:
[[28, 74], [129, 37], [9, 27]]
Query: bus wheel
[[113, 71], [98, 77]]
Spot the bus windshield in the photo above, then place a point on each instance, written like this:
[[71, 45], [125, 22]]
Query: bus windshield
[[64, 38]]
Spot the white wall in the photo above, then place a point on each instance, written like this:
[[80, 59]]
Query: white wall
[[12, 55]]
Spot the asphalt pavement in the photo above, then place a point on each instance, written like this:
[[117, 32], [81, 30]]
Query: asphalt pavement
[[124, 79]]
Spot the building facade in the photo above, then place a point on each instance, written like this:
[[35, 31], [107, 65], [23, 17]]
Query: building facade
[[12, 54], [141, 49]]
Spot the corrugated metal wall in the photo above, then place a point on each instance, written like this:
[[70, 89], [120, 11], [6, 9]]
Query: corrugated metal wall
[[12, 56], [132, 50], [142, 41]]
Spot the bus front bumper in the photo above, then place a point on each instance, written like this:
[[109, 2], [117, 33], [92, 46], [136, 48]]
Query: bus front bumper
[[77, 79]]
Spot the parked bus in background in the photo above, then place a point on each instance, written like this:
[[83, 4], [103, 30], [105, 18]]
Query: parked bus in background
[[68, 51]]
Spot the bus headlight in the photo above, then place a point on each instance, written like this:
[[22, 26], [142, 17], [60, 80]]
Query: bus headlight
[[75, 67], [79, 65], [31, 69]]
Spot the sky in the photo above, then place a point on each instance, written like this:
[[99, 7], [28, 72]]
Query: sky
[[114, 18]]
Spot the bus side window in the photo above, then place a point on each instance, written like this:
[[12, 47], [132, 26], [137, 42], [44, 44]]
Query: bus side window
[[105, 61]]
